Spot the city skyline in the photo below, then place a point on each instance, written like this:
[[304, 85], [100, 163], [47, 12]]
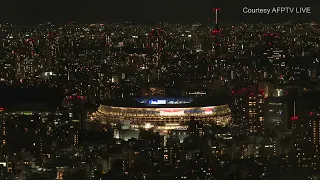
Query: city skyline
[[89, 97]]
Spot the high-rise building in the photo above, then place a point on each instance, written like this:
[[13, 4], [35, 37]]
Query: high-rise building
[[256, 112], [247, 110], [306, 134], [315, 125], [239, 111], [276, 114], [302, 149]]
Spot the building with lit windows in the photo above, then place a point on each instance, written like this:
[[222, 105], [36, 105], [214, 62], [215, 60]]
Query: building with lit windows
[[306, 133], [163, 113], [239, 111], [256, 112], [247, 107], [276, 114], [303, 152], [271, 146], [314, 121]]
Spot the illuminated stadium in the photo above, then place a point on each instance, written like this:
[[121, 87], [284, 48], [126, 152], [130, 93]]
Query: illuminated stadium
[[162, 113]]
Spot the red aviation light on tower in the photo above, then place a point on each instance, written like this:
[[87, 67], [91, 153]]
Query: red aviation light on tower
[[51, 34], [30, 40], [215, 31], [271, 35], [216, 9], [261, 91]]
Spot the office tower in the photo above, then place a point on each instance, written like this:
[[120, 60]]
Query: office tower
[[78, 132], [302, 148], [239, 111], [276, 114], [256, 112], [314, 119], [271, 146], [247, 111], [306, 134]]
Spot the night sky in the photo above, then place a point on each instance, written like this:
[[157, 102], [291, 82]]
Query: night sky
[[143, 11]]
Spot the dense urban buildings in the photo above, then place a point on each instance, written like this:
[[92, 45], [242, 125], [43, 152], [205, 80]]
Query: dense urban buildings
[[163, 101]]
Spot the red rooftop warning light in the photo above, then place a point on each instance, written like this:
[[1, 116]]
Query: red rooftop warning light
[[216, 31]]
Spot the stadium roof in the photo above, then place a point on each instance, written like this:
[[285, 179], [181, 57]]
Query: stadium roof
[[197, 102]]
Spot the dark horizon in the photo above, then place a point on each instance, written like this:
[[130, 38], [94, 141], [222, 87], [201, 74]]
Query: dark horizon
[[62, 11]]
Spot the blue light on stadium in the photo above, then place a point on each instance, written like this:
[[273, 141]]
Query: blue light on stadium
[[157, 102], [164, 101]]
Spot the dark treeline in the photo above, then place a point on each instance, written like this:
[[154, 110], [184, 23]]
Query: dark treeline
[[11, 96]]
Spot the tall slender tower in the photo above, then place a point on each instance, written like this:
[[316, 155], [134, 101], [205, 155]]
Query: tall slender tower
[[216, 29], [215, 32]]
